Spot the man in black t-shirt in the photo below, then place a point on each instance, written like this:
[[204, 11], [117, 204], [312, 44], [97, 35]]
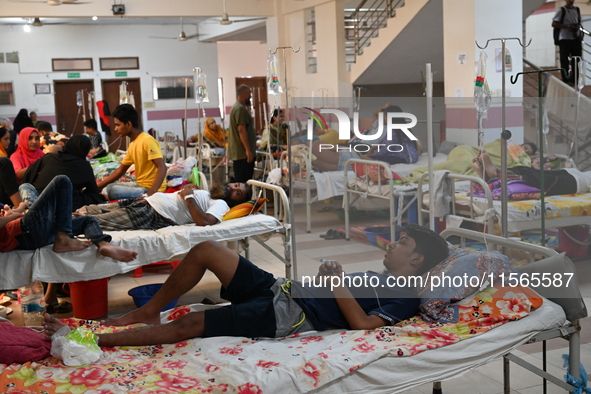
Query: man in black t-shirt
[[263, 306], [568, 20]]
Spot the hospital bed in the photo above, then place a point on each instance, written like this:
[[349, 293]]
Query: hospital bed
[[561, 211], [318, 186], [215, 163], [377, 361], [21, 267]]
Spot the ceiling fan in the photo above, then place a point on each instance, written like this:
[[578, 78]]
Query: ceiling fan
[[54, 2], [182, 36], [225, 19]]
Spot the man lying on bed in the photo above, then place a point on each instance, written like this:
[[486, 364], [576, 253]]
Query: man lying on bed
[[188, 205], [49, 221], [556, 182], [263, 306]]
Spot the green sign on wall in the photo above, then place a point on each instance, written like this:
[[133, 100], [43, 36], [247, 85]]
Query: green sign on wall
[[73, 75], [120, 73]]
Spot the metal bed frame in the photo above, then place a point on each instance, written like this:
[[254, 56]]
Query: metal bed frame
[[391, 193], [571, 333], [490, 213]]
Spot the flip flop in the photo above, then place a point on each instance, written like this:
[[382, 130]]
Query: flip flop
[[328, 234], [336, 235], [60, 307]]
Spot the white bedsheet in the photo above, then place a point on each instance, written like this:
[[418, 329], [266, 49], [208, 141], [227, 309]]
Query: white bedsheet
[[22, 267], [330, 184], [397, 374]]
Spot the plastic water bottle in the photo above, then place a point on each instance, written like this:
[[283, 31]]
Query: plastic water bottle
[[32, 303]]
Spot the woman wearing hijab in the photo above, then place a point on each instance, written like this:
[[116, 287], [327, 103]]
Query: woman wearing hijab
[[27, 152], [70, 162], [4, 141], [22, 120], [213, 134], [8, 181]]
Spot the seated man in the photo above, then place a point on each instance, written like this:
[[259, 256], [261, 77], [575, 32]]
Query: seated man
[[188, 205], [144, 152], [91, 128], [49, 221], [556, 182], [267, 307]]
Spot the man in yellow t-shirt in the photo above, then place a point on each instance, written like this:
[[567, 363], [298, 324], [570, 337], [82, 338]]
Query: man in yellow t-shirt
[[144, 151]]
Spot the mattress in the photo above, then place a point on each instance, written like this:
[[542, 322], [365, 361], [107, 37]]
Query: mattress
[[398, 374], [566, 210], [22, 267], [330, 361]]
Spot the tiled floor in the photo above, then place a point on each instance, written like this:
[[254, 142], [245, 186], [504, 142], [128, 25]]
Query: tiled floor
[[356, 255]]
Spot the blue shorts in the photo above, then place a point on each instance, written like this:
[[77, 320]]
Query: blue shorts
[[252, 313]]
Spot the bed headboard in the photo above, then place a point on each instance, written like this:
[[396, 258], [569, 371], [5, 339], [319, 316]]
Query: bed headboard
[[568, 296]]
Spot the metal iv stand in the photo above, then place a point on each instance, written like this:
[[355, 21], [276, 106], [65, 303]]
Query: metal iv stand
[[284, 49], [505, 134]]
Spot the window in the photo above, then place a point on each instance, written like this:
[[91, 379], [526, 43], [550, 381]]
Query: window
[[84, 64], [165, 88], [119, 63], [6, 94], [312, 60]]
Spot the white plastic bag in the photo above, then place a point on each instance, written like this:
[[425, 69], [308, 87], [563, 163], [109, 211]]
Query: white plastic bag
[[182, 168], [75, 347]]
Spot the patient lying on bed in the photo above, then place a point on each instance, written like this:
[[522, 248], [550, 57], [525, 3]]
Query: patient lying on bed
[[49, 221], [188, 205], [556, 182], [263, 306]]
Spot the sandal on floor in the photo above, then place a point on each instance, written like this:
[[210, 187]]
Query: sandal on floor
[[60, 307], [328, 234]]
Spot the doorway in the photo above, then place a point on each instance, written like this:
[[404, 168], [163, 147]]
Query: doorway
[[258, 86], [111, 97], [69, 110]]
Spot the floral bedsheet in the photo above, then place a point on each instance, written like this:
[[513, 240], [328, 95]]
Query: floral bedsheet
[[556, 207], [298, 363]]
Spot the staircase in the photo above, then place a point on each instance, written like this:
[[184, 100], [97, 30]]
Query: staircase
[[364, 22]]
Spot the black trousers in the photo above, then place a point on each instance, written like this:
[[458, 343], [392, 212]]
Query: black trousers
[[8, 182], [569, 48], [243, 170]]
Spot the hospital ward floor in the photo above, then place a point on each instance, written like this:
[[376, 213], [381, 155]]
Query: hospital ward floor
[[358, 255]]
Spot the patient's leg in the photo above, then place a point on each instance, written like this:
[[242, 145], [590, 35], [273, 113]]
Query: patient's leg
[[189, 326], [116, 252], [208, 255], [484, 160]]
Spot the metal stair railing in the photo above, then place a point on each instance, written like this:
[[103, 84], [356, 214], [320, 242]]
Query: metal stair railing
[[364, 23], [557, 126]]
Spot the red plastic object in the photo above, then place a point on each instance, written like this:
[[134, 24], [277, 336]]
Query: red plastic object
[[90, 299], [138, 272]]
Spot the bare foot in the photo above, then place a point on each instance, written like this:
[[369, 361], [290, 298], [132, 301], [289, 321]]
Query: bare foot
[[63, 243], [133, 317], [477, 166], [50, 326], [116, 252]]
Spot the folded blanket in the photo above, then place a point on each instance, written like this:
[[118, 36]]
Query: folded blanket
[[21, 344]]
